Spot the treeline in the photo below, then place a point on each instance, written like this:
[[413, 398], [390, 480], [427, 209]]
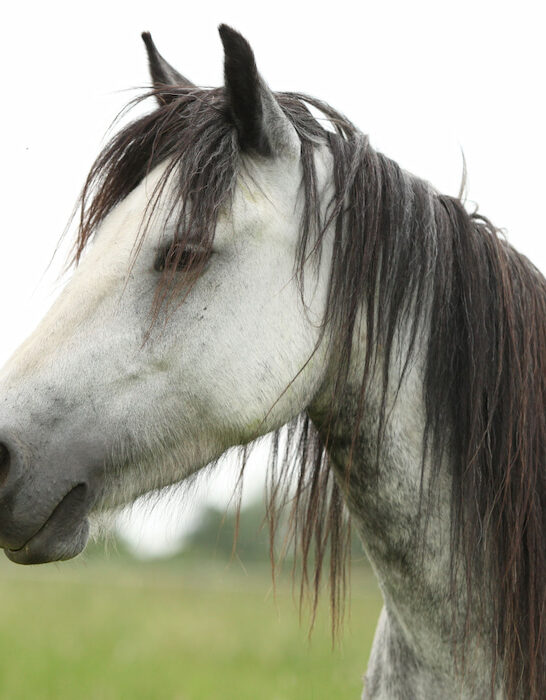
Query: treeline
[[214, 537], [214, 540]]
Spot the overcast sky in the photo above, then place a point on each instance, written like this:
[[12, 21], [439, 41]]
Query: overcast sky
[[424, 79]]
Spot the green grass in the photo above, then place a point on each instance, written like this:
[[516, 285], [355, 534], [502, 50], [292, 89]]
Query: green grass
[[106, 630]]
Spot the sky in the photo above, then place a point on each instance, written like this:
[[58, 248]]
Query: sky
[[427, 80]]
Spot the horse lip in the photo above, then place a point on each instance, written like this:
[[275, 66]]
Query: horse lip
[[63, 535]]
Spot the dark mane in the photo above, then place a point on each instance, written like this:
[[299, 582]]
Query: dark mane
[[396, 241]]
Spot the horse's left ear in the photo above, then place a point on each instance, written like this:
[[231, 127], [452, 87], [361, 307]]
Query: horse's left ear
[[161, 72], [261, 124]]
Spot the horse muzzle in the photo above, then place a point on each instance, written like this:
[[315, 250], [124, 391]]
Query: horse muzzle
[[43, 511], [62, 536]]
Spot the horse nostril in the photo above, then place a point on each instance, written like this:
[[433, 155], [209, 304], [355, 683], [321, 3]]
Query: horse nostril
[[5, 460]]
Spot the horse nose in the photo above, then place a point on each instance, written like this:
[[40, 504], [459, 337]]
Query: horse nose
[[43, 505], [11, 474], [19, 492], [5, 462]]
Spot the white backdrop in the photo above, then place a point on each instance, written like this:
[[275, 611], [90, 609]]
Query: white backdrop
[[424, 79]]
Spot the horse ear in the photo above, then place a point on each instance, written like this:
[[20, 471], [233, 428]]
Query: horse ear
[[260, 122], [161, 72]]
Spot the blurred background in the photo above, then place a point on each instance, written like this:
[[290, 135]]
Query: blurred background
[[166, 609]]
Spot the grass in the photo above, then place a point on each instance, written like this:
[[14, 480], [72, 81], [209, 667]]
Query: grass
[[110, 630]]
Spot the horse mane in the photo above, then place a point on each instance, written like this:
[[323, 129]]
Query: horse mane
[[397, 240]]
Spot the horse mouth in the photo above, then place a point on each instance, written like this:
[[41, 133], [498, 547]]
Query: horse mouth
[[62, 536]]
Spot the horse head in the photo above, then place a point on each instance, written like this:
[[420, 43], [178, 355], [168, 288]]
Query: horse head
[[184, 329]]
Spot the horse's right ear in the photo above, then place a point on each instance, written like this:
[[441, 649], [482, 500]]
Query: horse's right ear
[[161, 72], [260, 122]]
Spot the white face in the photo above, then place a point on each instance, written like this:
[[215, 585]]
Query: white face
[[93, 409]]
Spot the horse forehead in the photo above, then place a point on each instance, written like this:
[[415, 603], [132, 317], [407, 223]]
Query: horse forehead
[[120, 226], [261, 201], [264, 198], [265, 194], [269, 190]]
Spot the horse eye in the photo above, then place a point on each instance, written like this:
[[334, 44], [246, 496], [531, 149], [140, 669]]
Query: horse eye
[[182, 258]]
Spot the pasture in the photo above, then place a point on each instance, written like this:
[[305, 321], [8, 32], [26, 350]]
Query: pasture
[[108, 629]]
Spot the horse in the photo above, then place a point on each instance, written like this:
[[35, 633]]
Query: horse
[[247, 263]]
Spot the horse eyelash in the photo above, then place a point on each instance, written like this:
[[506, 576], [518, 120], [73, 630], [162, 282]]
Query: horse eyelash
[[189, 258]]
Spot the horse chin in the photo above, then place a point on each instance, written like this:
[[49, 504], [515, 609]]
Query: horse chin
[[63, 535]]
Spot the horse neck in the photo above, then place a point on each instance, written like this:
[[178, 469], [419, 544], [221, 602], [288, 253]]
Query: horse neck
[[384, 490]]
